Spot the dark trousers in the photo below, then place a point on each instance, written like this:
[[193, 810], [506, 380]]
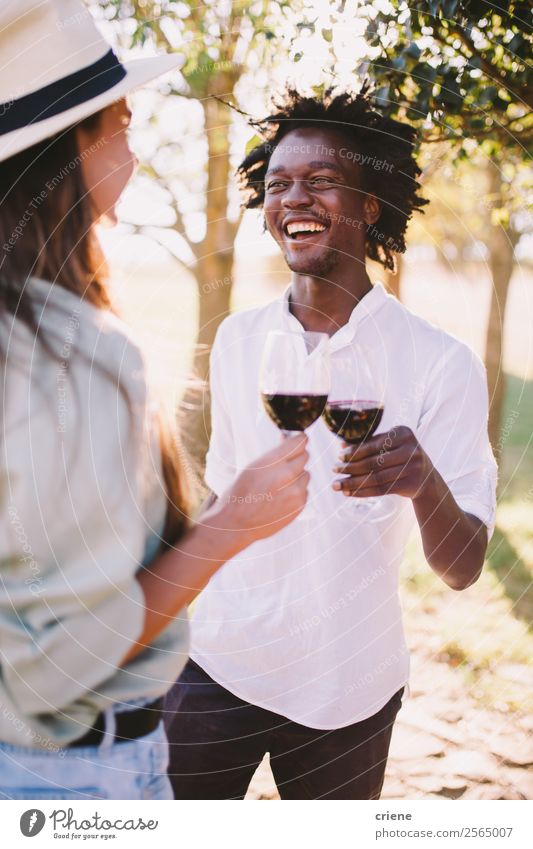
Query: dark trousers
[[217, 741]]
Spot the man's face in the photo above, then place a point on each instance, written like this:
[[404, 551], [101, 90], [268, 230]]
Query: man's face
[[314, 207]]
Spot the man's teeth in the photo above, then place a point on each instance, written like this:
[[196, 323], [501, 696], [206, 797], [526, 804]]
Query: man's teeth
[[305, 227]]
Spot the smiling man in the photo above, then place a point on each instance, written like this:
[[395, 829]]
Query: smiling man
[[298, 650]]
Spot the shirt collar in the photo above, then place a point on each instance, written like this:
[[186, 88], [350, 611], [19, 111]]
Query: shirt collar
[[367, 306]]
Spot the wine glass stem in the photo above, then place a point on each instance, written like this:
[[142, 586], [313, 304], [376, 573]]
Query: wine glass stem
[[308, 513]]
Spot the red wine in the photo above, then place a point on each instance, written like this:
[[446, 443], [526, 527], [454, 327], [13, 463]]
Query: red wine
[[294, 412], [353, 421]]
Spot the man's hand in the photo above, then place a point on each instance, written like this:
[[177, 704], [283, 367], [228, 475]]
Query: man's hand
[[392, 463]]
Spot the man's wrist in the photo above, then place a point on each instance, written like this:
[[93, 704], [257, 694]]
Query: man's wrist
[[430, 488]]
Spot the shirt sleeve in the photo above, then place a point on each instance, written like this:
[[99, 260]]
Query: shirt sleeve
[[220, 468], [452, 429], [72, 530]]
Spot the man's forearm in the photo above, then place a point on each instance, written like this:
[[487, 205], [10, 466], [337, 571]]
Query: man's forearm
[[454, 541]]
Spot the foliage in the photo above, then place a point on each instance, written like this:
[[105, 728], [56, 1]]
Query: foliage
[[221, 42], [463, 232], [214, 36], [460, 68]]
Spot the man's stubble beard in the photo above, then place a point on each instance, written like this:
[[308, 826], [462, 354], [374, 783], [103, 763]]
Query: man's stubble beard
[[321, 267]]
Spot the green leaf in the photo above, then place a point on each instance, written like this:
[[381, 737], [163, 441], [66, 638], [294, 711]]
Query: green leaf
[[515, 45], [422, 105], [318, 90], [415, 114], [382, 96], [450, 95], [297, 57], [139, 36], [399, 62], [424, 71], [253, 142], [449, 7], [327, 35], [500, 104], [488, 94], [475, 62], [499, 217], [413, 50]]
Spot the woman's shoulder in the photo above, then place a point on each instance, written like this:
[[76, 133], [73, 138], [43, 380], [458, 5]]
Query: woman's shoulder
[[77, 346], [73, 322]]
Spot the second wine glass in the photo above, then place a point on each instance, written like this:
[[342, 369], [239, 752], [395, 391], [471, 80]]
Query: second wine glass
[[353, 412]]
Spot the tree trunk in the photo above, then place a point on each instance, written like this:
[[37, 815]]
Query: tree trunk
[[213, 274], [501, 246], [214, 301]]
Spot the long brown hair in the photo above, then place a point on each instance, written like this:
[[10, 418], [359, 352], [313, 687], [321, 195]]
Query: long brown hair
[[43, 198]]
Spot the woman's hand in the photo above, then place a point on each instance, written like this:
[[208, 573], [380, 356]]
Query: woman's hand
[[268, 494]]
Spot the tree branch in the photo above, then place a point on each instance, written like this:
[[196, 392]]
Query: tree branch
[[140, 229], [502, 131], [179, 224], [179, 227], [523, 95]]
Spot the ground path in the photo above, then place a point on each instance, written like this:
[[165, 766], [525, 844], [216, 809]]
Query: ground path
[[445, 746]]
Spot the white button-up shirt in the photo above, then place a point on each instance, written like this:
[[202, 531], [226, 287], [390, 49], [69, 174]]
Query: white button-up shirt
[[307, 623]]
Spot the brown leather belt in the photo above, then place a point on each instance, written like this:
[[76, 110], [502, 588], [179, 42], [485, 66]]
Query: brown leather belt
[[130, 725]]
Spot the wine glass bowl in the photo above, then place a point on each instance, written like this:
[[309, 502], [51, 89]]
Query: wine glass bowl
[[354, 421], [295, 378], [292, 412]]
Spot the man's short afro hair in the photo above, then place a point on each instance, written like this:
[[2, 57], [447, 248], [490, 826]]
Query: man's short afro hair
[[374, 138]]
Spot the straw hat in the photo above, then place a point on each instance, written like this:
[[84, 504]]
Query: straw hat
[[56, 69]]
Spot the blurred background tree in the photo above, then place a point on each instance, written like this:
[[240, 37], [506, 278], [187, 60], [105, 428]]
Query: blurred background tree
[[460, 70], [221, 41]]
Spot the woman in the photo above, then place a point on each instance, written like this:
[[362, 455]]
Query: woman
[[98, 560]]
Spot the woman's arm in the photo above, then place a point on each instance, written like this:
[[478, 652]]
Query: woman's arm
[[277, 483]]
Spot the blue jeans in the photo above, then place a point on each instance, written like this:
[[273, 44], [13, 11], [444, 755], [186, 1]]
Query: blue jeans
[[136, 769]]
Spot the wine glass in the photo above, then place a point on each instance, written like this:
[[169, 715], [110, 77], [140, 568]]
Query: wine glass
[[295, 378], [294, 382], [353, 412]]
